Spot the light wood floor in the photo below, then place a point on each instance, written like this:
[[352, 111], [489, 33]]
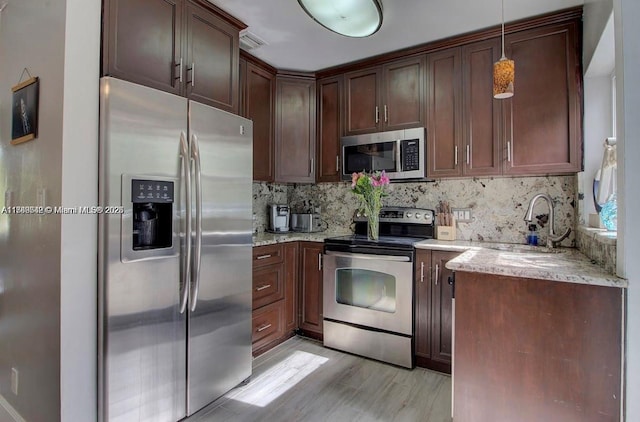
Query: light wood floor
[[300, 380]]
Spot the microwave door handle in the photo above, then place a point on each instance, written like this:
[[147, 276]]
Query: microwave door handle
[[398, 156]]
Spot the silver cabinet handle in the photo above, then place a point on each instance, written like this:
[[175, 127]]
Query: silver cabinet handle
[[437, 273], [195, 273], [422, 272], [264, 256], [263, 287], [179, 66], [263, 327], [186, 275], [455, 156], [192, 69], [509, 151], [319, 261], [311, 166], [377, 114], [337, 163], [386, 114], [511, 135], [468, 153]]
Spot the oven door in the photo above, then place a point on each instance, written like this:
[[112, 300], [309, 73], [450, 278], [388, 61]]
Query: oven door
[[370, 290]]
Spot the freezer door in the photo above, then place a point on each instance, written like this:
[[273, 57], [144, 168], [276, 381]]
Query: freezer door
[[142, 334], [219, 347]]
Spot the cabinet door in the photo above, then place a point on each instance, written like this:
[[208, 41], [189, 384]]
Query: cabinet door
[[295, 129], [260, 88], [403, 94], [444, 132], [422, 306], [212, 59], [362, 114], [441, 303], [311, 288], [480, 111], [142, 42], [290, 251], [543, 118], [329, 129]]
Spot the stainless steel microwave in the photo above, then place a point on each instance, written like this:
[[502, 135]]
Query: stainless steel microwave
[[400, 153]]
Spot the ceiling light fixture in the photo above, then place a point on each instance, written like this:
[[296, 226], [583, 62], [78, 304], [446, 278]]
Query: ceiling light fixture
[[503, 72], [352, 18]]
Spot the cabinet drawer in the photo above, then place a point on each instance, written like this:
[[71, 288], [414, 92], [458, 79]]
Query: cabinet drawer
[[267, 324], [268, 285], [267, 255]]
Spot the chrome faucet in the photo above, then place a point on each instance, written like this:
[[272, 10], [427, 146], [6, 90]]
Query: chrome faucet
[[552, 239]]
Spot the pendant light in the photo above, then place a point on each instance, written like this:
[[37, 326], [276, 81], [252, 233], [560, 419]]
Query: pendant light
[[503, 72], [353, 18]]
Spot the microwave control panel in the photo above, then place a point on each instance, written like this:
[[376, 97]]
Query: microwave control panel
[[410, 151]]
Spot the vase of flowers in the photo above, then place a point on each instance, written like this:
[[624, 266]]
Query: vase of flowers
[[370, 188]]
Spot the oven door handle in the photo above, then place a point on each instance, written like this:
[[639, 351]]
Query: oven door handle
[[371, 257]]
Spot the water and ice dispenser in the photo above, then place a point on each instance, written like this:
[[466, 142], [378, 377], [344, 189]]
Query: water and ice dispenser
[[152, 214]]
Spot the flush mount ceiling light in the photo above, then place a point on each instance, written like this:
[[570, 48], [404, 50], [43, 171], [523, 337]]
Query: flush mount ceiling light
[[503, 72], [352, 18]]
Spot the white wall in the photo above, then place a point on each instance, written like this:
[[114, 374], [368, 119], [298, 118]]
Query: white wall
[[596, 14], [627, 16], [597, 126], [78, 289], [31, 35]]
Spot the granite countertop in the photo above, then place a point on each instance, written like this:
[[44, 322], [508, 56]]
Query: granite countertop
[[562, 264], [262, 239]]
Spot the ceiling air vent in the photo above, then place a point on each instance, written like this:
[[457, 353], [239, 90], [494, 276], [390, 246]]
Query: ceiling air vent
[[250, 41]]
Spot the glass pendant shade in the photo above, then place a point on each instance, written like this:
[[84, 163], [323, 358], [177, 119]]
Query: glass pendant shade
[[352, 18], [503, 78]]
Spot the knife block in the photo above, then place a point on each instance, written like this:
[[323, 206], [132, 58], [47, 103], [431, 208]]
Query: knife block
[[446, 232]]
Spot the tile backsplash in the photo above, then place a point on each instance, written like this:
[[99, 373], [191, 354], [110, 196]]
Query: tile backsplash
[[498, 205]]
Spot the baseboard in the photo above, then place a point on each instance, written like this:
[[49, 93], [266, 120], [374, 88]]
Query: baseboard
[[10, 410]]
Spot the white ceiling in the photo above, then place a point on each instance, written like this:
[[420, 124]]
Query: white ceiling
[[296, 42]]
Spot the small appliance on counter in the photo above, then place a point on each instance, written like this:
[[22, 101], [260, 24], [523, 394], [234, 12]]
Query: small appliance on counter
[[306, 222], [278, 218]]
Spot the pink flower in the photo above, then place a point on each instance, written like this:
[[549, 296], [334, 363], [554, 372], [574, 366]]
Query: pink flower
[[354, 179], [384, 179]]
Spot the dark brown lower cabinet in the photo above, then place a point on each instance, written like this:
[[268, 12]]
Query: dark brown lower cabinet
[[275, 276], [310, 322], [433, 310], [536, 350]]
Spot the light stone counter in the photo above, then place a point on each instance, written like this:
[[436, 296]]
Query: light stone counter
[[563, 264], [262, 239]]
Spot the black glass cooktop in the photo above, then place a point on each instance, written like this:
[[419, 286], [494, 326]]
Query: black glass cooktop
[[383, 241]]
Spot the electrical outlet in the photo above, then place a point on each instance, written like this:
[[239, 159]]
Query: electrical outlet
[[14, 381], [462, 215]]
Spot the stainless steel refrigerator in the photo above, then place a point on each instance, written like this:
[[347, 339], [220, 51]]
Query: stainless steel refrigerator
[[174, 253]]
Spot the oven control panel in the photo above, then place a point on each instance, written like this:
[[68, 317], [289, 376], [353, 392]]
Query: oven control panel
[[401, 215]]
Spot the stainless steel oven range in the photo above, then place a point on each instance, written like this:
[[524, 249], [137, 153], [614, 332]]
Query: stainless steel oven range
[[368, 286]]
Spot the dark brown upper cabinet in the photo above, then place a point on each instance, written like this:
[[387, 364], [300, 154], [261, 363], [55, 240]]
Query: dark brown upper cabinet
[[542, 121], [258, 104], [329, 128], [403, 94], [387, 97], [481, 113], [295, 129], [444, 122], [186, 47], [212, 55]]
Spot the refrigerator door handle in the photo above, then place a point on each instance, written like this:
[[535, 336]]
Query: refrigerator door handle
[[186, 168], [195, 271]]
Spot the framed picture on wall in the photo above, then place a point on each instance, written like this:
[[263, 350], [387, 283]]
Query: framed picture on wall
[[24, 109]]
